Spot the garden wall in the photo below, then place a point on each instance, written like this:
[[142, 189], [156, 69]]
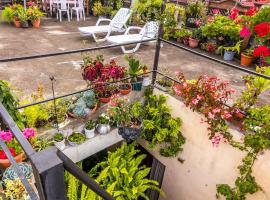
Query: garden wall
[[205, 166]]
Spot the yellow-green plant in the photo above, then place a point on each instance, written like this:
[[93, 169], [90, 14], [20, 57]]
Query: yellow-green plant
[[15, 189]]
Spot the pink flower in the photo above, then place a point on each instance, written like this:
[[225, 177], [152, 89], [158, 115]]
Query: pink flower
[[226, 114], [245, 32], [233, 91], [216, 139], [234, 13], [215, 11], [216, 110], [6, 136], [199, 97], [195, 101], [29, 132], [211, 115], [184, 84]]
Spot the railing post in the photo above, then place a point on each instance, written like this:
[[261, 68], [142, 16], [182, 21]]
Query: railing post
[[158, 46], [49, 169]]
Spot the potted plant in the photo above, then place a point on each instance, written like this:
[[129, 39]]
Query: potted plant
[[230, 51], [105, 95], [83, 105], [14, 147], [195, 38], [59, 141], [23, 17], [164, 83], [34, 15], [8, 14], [135, 70], [126, 117], [17, 8], [196, 11], [103, 124], [247, 57], [14, 189], [146, 78], [89, 129], [182, 35], [125, 88], [76, 138]]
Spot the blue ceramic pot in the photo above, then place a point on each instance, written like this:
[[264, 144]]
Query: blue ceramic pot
[[229, 55]]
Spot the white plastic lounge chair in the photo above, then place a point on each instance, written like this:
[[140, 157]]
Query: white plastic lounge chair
[[149, 31], [117, 24]]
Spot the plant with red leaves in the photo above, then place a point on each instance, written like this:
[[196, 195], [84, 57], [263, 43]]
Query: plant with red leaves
[[261, 51]]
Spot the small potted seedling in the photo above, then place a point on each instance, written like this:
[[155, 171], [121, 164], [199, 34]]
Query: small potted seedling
[[59, 140], [89, 129], [76, 138], [247, 57], [103, 124], [125, 88], [230, 51]]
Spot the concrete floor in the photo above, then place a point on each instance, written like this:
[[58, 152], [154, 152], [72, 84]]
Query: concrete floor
[[54, 36]]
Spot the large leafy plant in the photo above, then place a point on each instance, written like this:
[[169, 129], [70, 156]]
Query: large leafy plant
[[121, 174], [10, 102], [159, 127], [222, 26]]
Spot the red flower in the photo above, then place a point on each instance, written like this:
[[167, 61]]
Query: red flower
[[261, 51], [262, 29], [234, 13], [3, 154], [30, 3], [252, 11]]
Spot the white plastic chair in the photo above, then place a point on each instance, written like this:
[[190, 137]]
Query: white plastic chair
[[63, 8], [117, 24], [79, 10], [149, 31]]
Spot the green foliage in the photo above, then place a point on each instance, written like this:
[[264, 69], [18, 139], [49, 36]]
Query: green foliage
[[261, 16], [77, 137], [90, 125], [222, 26], [196, 9], [146, 10], [135, 67], [7, 14], [160, 127], [121, 174], [34, 13], [236, 48], [255, 85], [58, 137], [10, 102], [182, 33], [41, 143]]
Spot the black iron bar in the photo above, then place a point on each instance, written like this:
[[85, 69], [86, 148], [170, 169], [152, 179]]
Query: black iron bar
[[70, 51], [71, 167], [231, 65], [77, 92]]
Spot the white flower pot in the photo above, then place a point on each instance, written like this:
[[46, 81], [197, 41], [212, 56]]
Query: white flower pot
[[60, 145], [89, 133], [146, 81]]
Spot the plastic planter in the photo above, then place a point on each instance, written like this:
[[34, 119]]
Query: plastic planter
[[129, 133], [246, 60], [89, 133], [229, 55]]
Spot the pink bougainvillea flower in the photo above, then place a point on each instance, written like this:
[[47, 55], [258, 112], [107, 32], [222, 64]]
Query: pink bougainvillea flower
[[29, 133], [211, 115], [261, 51], [234, 13], [6, 136], [216, 139], [226, 114], [262, 29], [245, 32], [216, 110]]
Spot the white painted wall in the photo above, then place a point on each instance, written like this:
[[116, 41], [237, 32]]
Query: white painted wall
[[205, 165]]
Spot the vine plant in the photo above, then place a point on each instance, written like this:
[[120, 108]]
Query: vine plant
[[208, 96]]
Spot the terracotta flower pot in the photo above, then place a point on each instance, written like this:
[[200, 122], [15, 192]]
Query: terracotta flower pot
[[5, 163], [125, 91], [193, 43], [246, 60], [36, 23], [17, 23]]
